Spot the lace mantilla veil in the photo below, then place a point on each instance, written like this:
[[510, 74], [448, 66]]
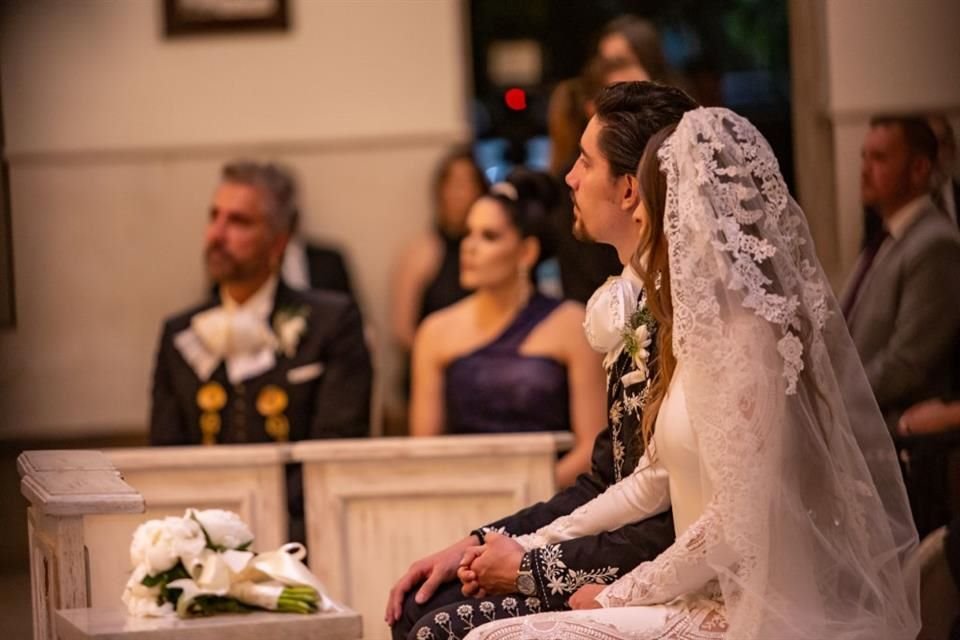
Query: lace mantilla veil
[[805, 479]]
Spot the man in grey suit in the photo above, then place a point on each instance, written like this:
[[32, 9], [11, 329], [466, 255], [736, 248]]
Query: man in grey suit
[[902, 303]]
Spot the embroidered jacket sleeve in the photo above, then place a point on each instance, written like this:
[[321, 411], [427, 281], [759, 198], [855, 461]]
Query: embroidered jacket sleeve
[[592, 545], [562, 568]]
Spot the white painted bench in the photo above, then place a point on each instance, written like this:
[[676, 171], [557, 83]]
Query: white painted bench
[[372, 507], [375, 506]]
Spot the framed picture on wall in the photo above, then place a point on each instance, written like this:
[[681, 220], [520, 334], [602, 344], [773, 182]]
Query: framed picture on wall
[[192, 17]]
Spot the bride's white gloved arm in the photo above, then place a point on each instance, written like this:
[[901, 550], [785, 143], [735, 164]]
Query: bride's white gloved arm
[[642, 494]]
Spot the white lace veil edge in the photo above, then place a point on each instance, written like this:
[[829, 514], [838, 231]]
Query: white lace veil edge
[[803, 474]]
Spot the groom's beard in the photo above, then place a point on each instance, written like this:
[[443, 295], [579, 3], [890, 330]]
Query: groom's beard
[[580, 232], [579, 229]]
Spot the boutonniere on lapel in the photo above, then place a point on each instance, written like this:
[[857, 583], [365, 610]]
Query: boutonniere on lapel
[[635, 340], [289, 325]]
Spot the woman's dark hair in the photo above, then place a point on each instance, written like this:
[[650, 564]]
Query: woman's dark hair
[[644, 41], [532, 210], [459, 153]]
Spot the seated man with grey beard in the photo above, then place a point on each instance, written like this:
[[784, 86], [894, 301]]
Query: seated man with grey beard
[[260, 361]]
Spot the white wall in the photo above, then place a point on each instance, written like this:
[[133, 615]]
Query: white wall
[[115, 136]]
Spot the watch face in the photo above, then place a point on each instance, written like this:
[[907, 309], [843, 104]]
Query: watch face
[[526, 584]]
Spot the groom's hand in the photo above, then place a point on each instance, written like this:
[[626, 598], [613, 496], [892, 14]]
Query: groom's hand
[[497, 567], [434, 570]]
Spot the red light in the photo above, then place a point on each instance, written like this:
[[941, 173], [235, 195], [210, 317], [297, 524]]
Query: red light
[[516, 99]]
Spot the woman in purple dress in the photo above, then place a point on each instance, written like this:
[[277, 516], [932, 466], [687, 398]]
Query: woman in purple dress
[[506, 358]]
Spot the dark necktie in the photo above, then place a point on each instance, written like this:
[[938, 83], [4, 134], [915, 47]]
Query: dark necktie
[[869, 254]]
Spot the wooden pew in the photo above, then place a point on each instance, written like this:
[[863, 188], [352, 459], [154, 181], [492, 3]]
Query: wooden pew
[[374, 506], [63, 488]]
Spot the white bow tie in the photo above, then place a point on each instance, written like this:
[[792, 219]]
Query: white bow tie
[[239, 338], [230, 333], [608, 311]]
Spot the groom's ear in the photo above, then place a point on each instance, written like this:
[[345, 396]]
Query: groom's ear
[[629, 193]]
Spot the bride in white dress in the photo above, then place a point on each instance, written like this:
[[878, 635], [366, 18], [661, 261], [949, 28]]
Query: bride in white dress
[[762, 433]]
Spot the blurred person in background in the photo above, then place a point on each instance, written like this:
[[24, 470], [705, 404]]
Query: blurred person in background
[[310, 265], [901, 301], [259, 361], [307, 264], [946, 191], [427, 277], [506, 358], [637, 41], [567, 117]]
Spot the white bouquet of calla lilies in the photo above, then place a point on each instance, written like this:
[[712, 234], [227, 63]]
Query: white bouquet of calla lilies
[[200, 565]]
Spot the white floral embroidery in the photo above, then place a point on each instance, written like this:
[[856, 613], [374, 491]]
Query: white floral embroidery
[[465, 613], [563, 580], [616, 413], [619, 451], [633, 402]]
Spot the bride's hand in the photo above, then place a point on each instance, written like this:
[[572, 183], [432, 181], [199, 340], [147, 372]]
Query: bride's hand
[[586, 597], [466, 574]]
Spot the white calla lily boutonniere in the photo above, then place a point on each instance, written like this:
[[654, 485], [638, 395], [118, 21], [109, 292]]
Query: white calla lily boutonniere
[[289, 325], [636, 340]]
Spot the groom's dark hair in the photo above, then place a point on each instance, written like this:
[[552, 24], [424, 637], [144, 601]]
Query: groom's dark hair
[[630, 113]]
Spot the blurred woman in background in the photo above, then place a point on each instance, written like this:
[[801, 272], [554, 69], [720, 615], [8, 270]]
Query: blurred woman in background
[[427, 277], [506, 358]]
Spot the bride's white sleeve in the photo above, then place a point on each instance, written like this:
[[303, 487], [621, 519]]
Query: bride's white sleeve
[[681, 569], [642, 494]]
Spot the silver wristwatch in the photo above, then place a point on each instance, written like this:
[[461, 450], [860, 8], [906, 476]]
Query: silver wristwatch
[[525, 581]]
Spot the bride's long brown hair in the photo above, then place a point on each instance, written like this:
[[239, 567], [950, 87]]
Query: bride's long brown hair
[[653, 244]]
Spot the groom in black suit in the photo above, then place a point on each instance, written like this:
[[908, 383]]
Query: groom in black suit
[[428, 602], [259, 361]]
